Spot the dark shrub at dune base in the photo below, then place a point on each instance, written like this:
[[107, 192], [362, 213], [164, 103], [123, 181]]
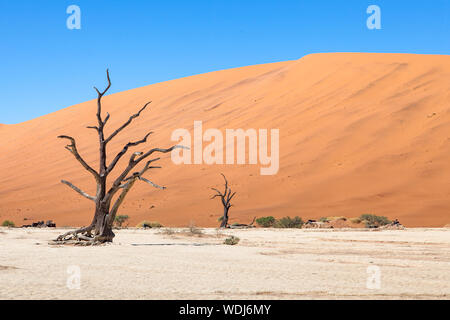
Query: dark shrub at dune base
[[266, 222], [288, 222], [374, 221], [8, 223]]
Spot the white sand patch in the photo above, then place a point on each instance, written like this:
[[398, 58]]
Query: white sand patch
[[275, 264]]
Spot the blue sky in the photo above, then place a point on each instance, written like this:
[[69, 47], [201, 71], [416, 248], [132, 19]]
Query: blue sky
[[46, 67]]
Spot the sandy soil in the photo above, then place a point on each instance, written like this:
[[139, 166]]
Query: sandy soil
[[359, 133], [275, 264]]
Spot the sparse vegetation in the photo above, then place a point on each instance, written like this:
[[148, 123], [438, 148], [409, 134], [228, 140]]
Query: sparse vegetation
[[167, 231], [120, 219], [8, 223], [374, 221], [231, 241], [324, 219], [193, 230], [288, 222], [336, 218], [355, 220], [149, 224], [266, 222]]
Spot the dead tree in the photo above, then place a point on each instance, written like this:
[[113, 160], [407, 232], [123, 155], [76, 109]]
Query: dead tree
[[100, 229], [226, 197]]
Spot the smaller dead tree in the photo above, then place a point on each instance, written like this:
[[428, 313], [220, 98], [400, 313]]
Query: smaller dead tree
[[226, 197]]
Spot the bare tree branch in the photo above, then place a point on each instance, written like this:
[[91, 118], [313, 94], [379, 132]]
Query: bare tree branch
[[84, 194], [126, 123], [149, 153], [115, 208], [226, 184], [147, 166], [122, 186], [133, 162], [218, 192], [73, 149], [124, 150], [93, 127], [151, 183], [230, 197], [106, 119], [99, 100], [140, 173]]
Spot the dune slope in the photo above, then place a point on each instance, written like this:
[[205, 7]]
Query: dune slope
[[359, 133]]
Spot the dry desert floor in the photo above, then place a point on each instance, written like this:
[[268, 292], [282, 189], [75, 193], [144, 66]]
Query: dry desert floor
[[266, 264]]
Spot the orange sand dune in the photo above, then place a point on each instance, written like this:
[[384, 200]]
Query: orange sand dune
[[359, 133]]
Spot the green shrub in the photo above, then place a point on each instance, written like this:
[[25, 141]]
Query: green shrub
[[119, 220], [8, 223], [374, 221], [288, 222], [231, 241], [266, 222], [151, 224]]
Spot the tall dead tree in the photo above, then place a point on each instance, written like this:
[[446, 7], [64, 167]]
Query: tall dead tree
[[100, 229], [226, 197]]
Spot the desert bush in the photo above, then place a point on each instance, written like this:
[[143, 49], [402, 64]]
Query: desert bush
[[355, 220], [266, 222], [8, 223], [167, 231], [151, 224], [193, 230], [324, 219], [288, 222], [231, 241], [119, 220], [374, 221]]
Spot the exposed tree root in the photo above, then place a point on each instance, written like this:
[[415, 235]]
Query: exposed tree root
[[82, 237], [72, 235]]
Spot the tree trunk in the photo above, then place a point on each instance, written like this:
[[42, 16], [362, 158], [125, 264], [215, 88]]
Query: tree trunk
[[224, 223], [103, 230]]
